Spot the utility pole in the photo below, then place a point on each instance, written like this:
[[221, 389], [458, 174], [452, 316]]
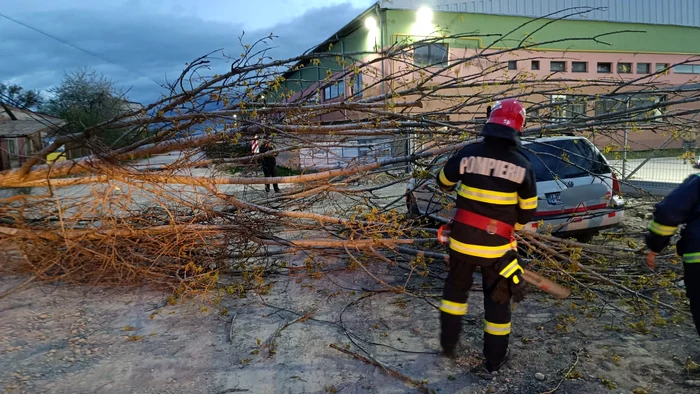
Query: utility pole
[[624, 142]]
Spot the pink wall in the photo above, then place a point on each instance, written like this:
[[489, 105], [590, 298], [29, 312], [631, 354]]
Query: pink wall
[[524, 59], [593, 58]]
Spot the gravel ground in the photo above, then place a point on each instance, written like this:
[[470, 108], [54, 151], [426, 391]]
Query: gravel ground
[[76, 340]]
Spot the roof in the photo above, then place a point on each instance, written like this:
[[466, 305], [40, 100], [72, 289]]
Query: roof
[[16, 122], [655, 12], [22, 128]]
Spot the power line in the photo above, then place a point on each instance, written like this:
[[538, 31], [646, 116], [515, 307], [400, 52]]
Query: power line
[[77, 48]]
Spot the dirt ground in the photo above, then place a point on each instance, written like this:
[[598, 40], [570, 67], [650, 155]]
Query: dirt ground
[[68, 340], [56, 339]]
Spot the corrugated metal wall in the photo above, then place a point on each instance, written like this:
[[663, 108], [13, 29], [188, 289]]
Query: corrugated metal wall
[[665, 12]]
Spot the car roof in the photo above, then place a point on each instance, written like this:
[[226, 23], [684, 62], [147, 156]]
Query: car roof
[[528, 140]]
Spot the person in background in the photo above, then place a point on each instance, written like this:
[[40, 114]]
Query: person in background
[[269, 163], [682, 206], [497, 196]]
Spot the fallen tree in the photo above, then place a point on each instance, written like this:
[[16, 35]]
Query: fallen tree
[[111, 218]]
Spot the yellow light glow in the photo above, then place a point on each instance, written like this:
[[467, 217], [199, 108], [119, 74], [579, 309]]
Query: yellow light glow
[[370, 22], [424, 15], [372, 35]]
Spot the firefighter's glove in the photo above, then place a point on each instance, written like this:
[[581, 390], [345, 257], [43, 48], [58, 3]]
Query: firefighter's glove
[[443, 233], [655, 242], [511, 285]]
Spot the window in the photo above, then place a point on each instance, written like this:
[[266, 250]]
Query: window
[[433, 55], [624, 68], [557, 66], [609, 105], [687, 69], [643, 68], [335, 90], [566, 107], [647, 100], [661, 66], [12, 146], [535, 65], [579, 67], [512, 64], [564, 159], [604, 68], [356, 88]]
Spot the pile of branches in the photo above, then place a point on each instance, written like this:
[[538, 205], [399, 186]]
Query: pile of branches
[[111, 219]]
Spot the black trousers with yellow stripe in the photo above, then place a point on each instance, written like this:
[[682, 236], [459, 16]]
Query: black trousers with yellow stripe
[[454, 306], [692, 289]]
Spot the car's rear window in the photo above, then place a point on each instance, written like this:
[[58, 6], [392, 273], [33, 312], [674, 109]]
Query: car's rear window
[[564, 159]]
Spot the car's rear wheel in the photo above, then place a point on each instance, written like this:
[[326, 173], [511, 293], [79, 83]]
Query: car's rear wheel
[[586, 237]]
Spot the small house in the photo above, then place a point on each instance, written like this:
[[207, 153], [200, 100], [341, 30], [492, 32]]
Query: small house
[[22, 134]]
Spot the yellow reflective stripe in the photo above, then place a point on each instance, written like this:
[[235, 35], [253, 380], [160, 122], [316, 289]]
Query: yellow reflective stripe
[[527, 203], [691, 258], [510, 269], [444, 180], [518, 226], [660, 229], [487, 252], [453, 308], [488, 196], [496, 328]]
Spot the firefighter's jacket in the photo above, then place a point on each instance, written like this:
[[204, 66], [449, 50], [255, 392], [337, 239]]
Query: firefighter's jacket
[[682, 206], [497, 181]]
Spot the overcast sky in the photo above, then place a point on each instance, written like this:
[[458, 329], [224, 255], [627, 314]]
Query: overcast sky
[[146, 40]]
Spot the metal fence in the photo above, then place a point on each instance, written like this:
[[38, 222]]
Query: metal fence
[[655, 169]]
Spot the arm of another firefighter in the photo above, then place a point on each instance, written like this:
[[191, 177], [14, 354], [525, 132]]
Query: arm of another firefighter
[[671, 212], [527, 200], [448, 177]]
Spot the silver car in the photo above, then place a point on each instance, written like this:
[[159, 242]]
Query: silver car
[[578, 193]]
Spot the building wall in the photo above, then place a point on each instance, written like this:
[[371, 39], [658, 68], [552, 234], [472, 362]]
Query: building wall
[[652, 44], [639, 38], [306, 77], [669, 12]]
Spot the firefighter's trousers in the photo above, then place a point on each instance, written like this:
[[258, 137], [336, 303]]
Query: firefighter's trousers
[[454, 306], [692, 290]]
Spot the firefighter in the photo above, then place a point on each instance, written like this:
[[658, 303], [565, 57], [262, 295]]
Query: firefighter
[[269, 163], [497, 196], [682, 206]]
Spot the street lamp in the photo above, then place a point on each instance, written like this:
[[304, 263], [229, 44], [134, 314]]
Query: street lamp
[[424, 15], [370, 23]]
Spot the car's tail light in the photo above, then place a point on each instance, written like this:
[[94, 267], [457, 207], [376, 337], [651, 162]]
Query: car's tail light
[[615, 185]]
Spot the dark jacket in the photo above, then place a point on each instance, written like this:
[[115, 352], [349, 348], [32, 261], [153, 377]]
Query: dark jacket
[[682, 206], [497, 181], [268, 161]]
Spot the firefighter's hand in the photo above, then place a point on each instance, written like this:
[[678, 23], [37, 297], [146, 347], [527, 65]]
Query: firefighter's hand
[[518, 289], [443, 234], [651, 260]]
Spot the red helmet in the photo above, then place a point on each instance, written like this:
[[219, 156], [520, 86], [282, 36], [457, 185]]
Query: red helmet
[[509, 113]]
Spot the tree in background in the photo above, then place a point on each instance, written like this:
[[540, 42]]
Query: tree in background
[[85, 99], [17, 96]]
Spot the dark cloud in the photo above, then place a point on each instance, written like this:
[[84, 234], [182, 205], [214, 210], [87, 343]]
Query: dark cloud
[[139, 45]]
